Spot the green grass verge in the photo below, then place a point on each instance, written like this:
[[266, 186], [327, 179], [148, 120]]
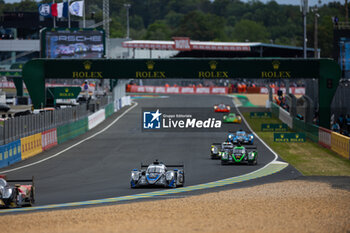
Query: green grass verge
[[244, 101], [309, 158]]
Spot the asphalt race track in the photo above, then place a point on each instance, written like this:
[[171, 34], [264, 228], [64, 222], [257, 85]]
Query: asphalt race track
[[100, 167]]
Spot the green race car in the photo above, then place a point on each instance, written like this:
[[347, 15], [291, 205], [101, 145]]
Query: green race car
[[240, 154], [232, 118]]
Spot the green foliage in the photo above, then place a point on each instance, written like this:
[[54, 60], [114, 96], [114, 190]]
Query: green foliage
[[200, 26], [159, 30], [211, 20], [248, 30]]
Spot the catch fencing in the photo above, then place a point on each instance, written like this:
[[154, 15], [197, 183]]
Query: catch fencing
[[27, 136], [22, 126]]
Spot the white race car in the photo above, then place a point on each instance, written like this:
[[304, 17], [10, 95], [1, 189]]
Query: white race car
[[158, 174]]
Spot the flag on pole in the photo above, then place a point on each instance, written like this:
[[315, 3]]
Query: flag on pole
[[45, 10], [65, 10], [60, 10], [54, 9], [77, 8]]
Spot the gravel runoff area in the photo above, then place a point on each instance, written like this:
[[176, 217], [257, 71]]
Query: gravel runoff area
[[303, 205]]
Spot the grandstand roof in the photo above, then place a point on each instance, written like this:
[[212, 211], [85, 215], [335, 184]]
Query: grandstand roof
[[185, 44]]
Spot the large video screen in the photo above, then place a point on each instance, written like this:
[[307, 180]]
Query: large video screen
[[344, 56], [73, 44]]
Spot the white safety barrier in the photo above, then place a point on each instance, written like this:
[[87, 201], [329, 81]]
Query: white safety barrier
[[178, 90], [125, 100], [285, 117], [292, 90], [325, 137], [49, 138], [96, 118]]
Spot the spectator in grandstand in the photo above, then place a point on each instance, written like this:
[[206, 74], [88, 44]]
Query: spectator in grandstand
[[86, 88], [284, 104], [335, 127], [332, 119], [300, 117], [347, 120], [345, 132], [315, 120], [341, 121]]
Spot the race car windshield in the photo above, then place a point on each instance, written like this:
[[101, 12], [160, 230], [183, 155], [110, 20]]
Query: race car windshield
[[240, 133], [155, 170], [222, 106], [238, 151], [3, 182], [227, 146]]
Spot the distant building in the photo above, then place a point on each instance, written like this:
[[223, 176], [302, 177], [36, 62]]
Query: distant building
[[184, 47]]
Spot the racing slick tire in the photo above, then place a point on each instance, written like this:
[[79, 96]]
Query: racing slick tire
[[254, 162], [223, 162]]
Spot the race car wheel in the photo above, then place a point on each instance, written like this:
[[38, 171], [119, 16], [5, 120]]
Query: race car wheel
[[223, 162], [31, 198], [252, 162]]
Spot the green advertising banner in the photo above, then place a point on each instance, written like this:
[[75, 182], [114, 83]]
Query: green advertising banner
[[274, 127], [289, 137], [64, 92], [72, 130], [12, 74], [260, 115]]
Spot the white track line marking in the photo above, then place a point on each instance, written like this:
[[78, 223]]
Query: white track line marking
[[68, 148]]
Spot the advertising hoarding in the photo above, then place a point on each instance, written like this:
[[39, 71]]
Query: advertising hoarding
[[72, 43]]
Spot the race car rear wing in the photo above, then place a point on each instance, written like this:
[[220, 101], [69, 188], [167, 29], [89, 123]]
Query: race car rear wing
[[172, 165], [22, 181], [251, 147], [175, 165]]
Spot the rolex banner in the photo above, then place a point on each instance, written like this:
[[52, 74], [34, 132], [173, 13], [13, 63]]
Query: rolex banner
[[76, 8]]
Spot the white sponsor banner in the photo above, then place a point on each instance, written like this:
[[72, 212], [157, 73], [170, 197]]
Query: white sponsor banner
[[218, 90], [264, 90], [149, 89], [96, 118], [141, 89], [299, 91], [49, 138], [325, 137], [203, 90], [293, 90], [160, 90], [187, 90], [173, 90]]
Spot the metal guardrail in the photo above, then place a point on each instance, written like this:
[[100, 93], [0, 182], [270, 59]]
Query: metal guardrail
[[22, 126]]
